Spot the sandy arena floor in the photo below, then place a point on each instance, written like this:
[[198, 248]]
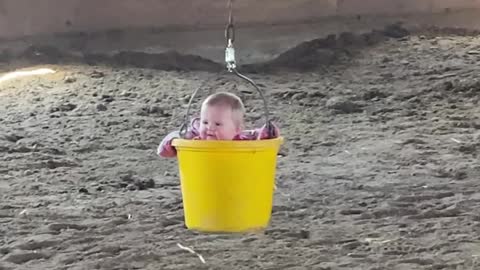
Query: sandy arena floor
[[379, 169]]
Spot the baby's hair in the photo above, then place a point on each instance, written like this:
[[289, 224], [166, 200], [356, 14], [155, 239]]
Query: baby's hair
[[229, 100]]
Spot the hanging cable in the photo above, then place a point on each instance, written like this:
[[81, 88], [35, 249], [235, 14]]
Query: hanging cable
[[232, 66]]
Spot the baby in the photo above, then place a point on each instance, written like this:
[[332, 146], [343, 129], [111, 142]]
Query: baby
[[221, 118]]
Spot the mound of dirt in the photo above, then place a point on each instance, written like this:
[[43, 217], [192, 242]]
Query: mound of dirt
[[326, 51], [305, 56], [163, 61], [169, 61]]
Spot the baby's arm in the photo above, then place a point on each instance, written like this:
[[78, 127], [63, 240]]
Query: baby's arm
[[166, 149], [264, 134]]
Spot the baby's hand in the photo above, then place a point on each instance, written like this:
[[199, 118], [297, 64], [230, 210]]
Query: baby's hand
[[165, 149], [268, 132]]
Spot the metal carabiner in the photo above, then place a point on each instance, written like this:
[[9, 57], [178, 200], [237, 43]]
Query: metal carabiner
[[229, 50], [230, 58], [230, 37]]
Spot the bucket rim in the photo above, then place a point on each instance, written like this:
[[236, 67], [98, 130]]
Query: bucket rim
[[253, 144]]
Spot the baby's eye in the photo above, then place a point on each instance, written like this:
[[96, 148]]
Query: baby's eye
[[218, 124], [205, 122]]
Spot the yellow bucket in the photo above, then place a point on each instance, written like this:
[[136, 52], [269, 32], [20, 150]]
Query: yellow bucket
[[227, 186]]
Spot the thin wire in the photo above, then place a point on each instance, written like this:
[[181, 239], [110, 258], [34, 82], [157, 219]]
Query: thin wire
[[230, 9]]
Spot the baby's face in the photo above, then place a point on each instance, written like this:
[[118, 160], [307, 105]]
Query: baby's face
[[217, 123]]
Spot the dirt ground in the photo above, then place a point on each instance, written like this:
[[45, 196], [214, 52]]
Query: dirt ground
[[379, 169]]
